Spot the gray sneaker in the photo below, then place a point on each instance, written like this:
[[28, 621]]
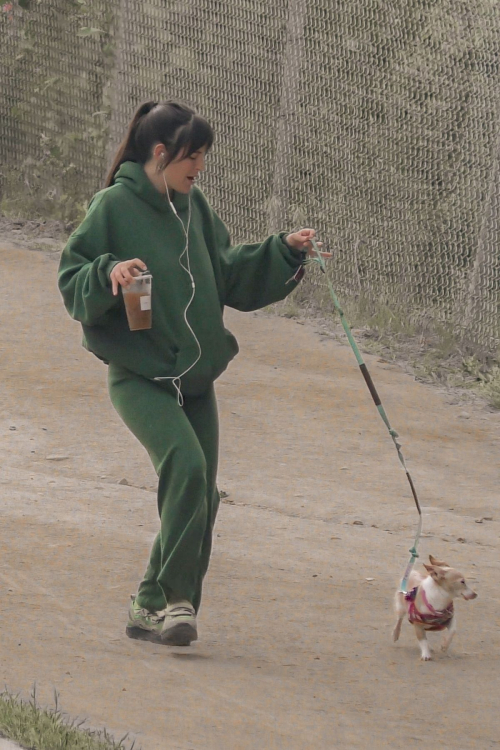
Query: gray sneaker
[[143, 624], [179, 624]]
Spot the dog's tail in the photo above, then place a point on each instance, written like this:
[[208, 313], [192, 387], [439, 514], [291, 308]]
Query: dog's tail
[[400, 607]]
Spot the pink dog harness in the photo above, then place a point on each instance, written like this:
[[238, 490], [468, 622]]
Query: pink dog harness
[[432, 620]]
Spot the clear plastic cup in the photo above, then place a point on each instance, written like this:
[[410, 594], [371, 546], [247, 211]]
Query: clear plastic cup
[[137, 298]]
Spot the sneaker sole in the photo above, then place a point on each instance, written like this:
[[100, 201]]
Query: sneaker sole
[[139, 634], [179, 635]]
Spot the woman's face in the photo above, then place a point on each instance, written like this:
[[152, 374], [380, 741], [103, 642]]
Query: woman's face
[[181, 173]]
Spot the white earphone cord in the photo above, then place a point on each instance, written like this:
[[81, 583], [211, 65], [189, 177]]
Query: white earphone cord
[[176, 380]]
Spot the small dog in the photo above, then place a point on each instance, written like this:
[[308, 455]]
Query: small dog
[[429, 603]]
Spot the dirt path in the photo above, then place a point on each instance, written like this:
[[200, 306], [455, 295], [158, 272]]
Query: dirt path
[[295, 648]]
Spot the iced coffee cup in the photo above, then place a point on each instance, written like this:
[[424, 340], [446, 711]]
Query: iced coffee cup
[[137, 298]]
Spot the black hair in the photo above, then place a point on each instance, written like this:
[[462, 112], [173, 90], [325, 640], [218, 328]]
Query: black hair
[[177, 126]]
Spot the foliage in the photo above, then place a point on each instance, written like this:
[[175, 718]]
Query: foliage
[[62, 121]]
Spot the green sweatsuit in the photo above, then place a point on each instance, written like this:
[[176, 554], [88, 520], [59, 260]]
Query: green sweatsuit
[[132, 219]]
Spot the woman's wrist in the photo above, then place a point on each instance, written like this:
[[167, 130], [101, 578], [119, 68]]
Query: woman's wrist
[[298, 254]]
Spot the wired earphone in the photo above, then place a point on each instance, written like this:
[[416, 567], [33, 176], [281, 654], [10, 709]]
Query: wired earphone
[[176, 379]]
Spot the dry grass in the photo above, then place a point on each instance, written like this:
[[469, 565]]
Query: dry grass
[[431, 350]]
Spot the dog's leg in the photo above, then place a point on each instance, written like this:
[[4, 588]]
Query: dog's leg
[[400, 607], [451, 629], [423, 643]]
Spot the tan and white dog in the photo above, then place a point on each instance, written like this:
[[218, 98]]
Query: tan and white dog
[[429, 603]]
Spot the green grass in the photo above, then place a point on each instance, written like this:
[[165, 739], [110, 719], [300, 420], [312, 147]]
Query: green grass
[[37, 728]]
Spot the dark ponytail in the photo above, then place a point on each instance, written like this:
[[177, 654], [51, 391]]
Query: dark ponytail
[[126, 149], [177, 126]]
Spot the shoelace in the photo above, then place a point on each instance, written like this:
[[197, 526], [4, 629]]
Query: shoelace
[[177, 610], [154, 617], [180, 611]]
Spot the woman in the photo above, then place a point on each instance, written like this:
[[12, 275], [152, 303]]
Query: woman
[[152, 216]]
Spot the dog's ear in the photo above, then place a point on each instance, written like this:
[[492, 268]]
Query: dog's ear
[[435, 572], [438, 563]]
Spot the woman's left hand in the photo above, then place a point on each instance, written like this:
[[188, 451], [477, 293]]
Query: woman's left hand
[[301, 240]]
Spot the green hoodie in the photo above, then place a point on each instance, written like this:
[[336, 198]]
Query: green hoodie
[[131, 219]]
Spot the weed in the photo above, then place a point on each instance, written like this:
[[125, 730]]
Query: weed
[[46, 729], [434, 349], [288, 308]]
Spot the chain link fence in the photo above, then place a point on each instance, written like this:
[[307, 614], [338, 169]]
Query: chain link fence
[[375, 121]]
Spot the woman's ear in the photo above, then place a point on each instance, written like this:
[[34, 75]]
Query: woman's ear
[[160, 152]]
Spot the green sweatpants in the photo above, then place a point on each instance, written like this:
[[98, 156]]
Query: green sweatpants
[[182, 443]]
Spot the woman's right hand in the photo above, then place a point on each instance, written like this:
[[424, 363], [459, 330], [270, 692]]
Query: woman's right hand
[[124, 273]]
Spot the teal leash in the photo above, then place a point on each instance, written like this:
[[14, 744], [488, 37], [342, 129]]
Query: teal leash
[[378, 403]]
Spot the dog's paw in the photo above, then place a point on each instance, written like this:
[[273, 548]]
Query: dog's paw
[[444, 646], [426, 657]]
